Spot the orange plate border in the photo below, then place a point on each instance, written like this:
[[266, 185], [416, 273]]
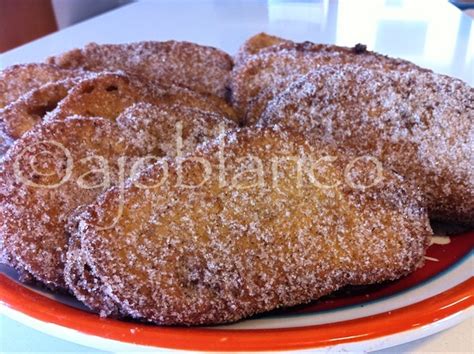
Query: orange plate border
[[428, 311]]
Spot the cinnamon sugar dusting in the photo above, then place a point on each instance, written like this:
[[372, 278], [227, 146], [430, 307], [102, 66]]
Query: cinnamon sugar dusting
[[200, 68], [217, 254], [420, 124], [159, 182]]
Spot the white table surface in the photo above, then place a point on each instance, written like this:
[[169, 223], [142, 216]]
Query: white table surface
[[431, 33]]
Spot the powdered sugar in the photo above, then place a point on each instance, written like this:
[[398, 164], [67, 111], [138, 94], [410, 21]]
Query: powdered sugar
[[260, 77], [199, 68], [17, 80], [217, 254], [34, 213], [419, 123]]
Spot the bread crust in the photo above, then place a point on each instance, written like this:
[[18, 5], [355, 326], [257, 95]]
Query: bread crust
[[108, 94], [260, 77], [34, 208], [216, 254], [104, 95], [199, 68], [17, 80], [420, 124], [27, 111], [255, 44]]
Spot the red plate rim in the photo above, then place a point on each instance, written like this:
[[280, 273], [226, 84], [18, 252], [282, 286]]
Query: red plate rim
[[436, 308]]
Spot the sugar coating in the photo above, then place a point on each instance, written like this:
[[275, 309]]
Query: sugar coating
[[421, 124], [104, 94], [260, 77], [24, 113], [158, 127], [200, 68], [218, 254], [108, 94], [255, 44], [154, 129], [17, 80], [33, 219]]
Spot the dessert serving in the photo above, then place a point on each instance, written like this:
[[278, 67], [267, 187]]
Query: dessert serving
[[167, 182]]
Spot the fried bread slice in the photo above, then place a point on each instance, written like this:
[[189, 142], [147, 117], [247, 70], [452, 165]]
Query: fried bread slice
[[255, 44], [23, 114], [17, 80], [96, 95], [109, 94], [222, 234], [200, 68], [148, 122], [36, 198], [38, 189], [421, 124], [260, 77]]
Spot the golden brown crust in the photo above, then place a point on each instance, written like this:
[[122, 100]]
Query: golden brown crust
[[255, 44], [105, 95], [420, 124], [17, 80], [23, 114], [147, 122], [165, 246], [109, 94], [200, 68], [33, 217], [217, 254], [96, 95], [260, 77], [83, 284]]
